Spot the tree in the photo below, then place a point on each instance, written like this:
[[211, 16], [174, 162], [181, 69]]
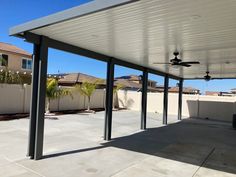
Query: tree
[[87, 90], [53, 91], [7, 76], [115, 91]]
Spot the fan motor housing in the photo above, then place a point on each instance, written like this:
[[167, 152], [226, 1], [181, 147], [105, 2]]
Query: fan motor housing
[[207, 78]]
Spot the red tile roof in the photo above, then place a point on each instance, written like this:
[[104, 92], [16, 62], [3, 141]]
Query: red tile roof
[[185, 90], [133, 78], [212, 93], [13, 49], [74, 78], [133, 85]]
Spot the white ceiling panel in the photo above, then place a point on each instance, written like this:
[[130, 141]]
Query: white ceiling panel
[[149, 31]]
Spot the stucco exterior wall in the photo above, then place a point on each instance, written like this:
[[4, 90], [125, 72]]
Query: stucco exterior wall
[[212, 107], [16, 99], [15, 61]]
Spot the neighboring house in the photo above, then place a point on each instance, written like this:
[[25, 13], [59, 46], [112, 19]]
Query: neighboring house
[[134, 82], [212, 93], [128, 83], [134, 86], [186, 90], [15, 59], [233, 91], [71, 79], [160, 88], [138, 80]]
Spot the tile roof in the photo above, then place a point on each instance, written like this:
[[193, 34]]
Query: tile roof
[[185, 89], [13, 49], [130, 77], [74, 78], [130, 84], [133, 78], [212, 93], [127, 83]]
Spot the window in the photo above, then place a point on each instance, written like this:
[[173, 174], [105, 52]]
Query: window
[[26, 64], [3, 60]]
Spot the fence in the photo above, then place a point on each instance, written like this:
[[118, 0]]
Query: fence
[[78, 101], [16, 99], [212, 107]]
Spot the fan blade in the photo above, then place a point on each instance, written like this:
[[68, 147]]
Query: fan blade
[[156, 63], [191, 62], [184, 64]]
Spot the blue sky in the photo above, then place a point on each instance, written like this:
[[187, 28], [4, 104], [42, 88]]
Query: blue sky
[[14, 12]]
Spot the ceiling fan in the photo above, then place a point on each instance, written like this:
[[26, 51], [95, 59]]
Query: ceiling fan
[[207, 77], [178, 62]]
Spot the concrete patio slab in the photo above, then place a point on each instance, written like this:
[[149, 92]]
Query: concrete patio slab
[[74, 147], [154, 166]]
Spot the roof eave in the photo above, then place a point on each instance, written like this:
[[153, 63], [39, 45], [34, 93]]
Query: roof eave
[[18, 53]]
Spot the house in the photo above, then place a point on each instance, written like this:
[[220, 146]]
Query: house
[[233, 91], [128, 85], [213, 93], [133, 86], [15, 59], [71, 79], [138, 80], [134, 82], [186, 90]]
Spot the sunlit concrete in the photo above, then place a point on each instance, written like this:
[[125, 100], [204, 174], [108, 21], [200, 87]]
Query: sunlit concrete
[[74, 147]]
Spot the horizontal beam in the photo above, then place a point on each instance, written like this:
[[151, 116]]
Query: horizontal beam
[[52, 43]]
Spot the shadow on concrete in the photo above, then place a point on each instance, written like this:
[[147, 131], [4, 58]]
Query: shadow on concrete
[[72, 152], [204, 143]]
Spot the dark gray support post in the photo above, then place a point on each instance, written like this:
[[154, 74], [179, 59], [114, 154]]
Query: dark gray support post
[[109, 100], [33, 105], [180, 99], [144, 99], [42, 78], [165, 100]]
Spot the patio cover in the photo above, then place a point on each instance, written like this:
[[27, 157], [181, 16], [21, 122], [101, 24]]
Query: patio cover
[[147, 31]]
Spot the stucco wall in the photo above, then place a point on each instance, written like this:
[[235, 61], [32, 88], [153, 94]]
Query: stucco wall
[[212, 107], [15, 61], [16, 99], [77, 101]]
